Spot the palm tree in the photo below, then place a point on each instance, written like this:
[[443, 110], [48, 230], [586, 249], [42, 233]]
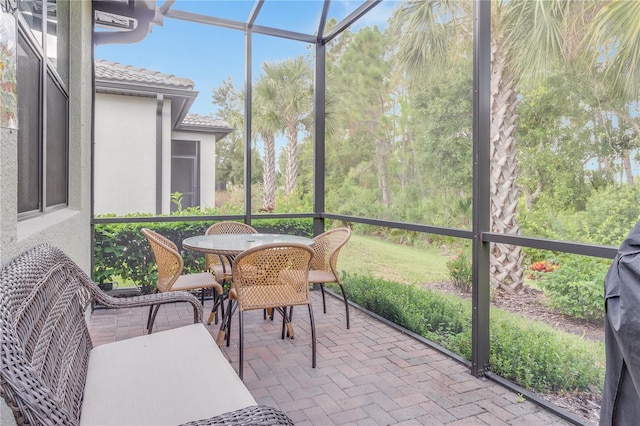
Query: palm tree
[[615, 30], [430, 31], [293, 107], [267, 125], [614, 44]]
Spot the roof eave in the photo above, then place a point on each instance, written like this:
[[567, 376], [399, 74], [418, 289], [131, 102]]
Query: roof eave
[[218, 132], [181, 99]]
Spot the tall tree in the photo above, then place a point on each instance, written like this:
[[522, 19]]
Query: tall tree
[[555, 143], [230, 149], [428, 31], [362, 84], [293, 107], [267, 125]]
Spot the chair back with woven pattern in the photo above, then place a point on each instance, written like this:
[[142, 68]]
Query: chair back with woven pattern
[[44, 339], [326, 248], [271, 276], [225, 227], [168, 259]]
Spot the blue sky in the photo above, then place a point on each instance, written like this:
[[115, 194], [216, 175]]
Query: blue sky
[[208, 55]]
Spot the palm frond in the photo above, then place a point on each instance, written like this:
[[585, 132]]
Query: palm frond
[[616, 37], [426, 32], [533, 33]]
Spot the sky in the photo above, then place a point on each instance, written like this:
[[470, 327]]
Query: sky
[[208, 55]]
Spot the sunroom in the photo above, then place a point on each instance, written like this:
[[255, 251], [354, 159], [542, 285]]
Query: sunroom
[[482, 153]]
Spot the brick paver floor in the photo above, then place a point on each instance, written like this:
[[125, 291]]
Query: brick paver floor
[[371, 374]]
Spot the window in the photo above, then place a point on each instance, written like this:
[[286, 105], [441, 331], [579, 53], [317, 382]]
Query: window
[[185, 172], [43, 106]]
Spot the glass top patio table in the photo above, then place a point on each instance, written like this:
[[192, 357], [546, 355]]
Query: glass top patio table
[[233, 244]]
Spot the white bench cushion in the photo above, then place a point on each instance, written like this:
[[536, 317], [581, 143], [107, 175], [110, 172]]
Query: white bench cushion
[[164, 378]]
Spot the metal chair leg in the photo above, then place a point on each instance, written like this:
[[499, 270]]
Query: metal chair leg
[[153, 318], [230, 309], [223, 334], [149, 316], [212, 314], [290, 331], [313, 337], [150, 311], [241, 332], [324, 302], [217, 303], [221, 306], [346, 304], [286, 322]]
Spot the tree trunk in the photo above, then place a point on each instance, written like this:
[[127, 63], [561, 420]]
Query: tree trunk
[[628, 171], [416, 171], [381, 160], [506, 260], [269, 178], [291, 173]]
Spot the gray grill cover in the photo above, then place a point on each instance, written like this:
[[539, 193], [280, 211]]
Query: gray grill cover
[[621, 399]]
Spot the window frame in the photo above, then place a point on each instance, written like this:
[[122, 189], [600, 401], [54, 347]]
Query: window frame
[[195, 157], [49, 80]]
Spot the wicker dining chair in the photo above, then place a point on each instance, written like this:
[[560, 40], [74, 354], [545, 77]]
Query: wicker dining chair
[[326, 248], [214, 262], [170, 277], [272, 276]]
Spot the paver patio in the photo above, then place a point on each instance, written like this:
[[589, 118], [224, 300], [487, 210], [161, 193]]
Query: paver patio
[[371, 374]]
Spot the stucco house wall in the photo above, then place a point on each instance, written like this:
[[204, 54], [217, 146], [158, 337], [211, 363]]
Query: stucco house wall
[[57, 227], [125, 152], [133, 105]]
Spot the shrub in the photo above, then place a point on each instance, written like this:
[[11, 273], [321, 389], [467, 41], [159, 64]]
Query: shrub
[[534, 355], [576, 287], [460, 271], [121, 250], [542, 358], [435, 316], [610, 212]]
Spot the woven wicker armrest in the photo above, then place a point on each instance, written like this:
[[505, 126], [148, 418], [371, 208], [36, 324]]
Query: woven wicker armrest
[[149, 300], [253, 415], [45, 344]]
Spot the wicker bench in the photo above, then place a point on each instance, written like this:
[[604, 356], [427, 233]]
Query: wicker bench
[[51, 374]]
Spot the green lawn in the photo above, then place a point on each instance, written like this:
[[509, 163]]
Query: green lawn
[[390, 261], [382, 259]]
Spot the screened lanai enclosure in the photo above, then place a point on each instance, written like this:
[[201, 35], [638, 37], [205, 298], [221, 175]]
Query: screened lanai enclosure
[[481, 152]]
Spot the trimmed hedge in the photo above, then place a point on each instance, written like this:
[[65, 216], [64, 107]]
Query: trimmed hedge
[[120, 249], [534, 355]]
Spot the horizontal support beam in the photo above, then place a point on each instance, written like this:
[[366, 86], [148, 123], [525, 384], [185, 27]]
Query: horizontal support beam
[[291, 35], [162, 219], [606, 252], [459, 233]]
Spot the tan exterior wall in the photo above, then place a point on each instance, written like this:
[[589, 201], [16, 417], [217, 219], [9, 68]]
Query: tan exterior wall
[[125, 154]]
